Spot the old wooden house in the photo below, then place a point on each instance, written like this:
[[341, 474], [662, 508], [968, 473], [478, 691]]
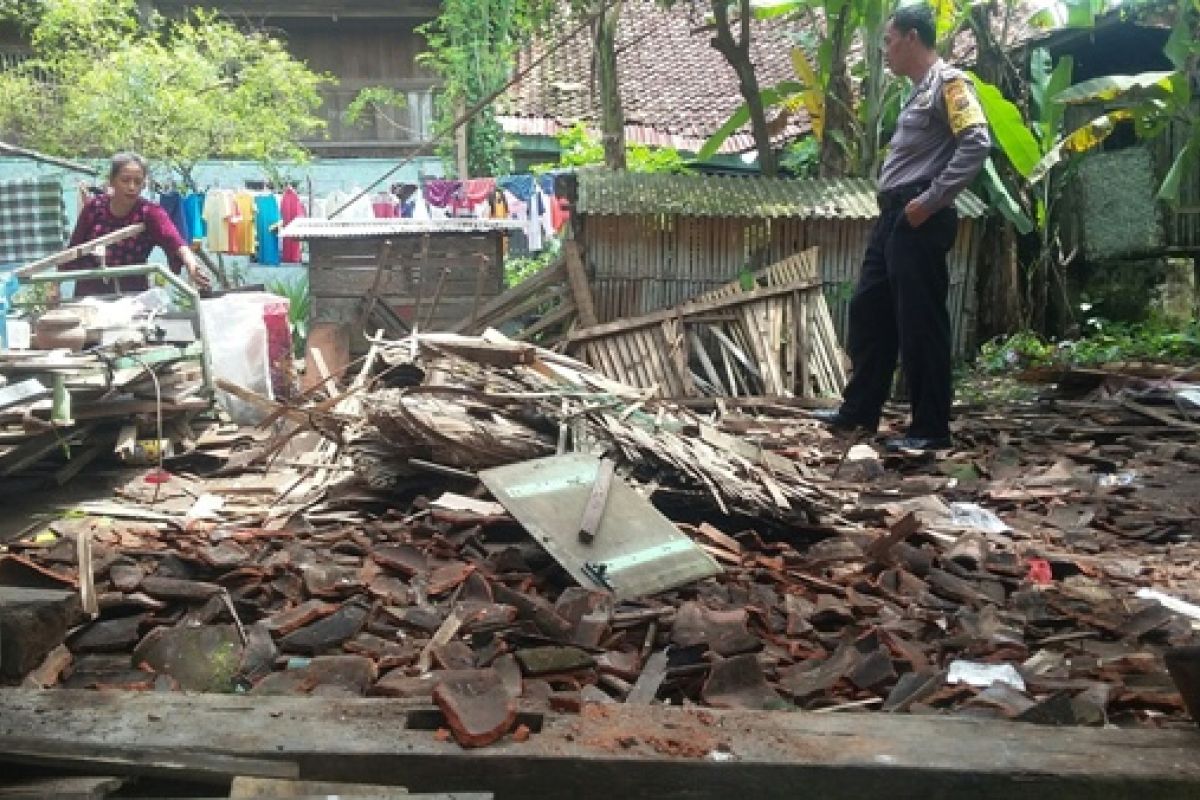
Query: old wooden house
[[400, 274], [652, 241], [361, 43]]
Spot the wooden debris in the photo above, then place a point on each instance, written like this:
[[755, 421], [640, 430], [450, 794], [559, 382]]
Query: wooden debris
[[775, 340]]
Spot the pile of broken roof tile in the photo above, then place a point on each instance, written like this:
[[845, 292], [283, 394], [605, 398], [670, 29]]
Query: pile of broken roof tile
[[998, 582]]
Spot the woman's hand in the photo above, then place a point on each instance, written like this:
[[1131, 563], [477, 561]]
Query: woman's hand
[[196, 273], [198, 277]]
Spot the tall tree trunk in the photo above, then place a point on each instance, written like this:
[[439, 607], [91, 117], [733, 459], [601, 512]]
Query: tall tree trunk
[[1000, 285], [612, 116], [737, 52], [839, 101]]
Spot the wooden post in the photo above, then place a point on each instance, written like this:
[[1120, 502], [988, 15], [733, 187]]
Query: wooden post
[[585, 307]]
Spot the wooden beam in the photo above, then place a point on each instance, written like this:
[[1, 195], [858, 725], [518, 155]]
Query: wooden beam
[[502, 303], [72, 253], [765, 754], [689, 309], [580, 290]]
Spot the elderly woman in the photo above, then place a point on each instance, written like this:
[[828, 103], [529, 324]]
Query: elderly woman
[[120, 207]]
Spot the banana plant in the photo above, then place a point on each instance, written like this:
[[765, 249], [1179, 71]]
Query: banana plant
[[1152, 101], [1025, 144], [820, 88]]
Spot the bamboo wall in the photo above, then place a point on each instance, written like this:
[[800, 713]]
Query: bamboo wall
[[641, 264]]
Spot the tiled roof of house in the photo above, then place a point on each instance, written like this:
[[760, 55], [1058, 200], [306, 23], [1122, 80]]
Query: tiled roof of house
[[627, 193], [676, 88]]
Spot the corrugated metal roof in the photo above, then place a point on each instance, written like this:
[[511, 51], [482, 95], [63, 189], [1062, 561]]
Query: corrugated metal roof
[[624, 193], [310, 228]]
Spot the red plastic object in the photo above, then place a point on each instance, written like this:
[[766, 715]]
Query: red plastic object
[[157, 476], [1039, 571]]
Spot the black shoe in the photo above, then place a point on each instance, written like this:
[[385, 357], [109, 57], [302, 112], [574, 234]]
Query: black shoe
[[919, 443], [833, 419]]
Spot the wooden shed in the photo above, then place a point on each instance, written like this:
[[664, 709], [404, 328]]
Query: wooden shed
[[653, 241], [401, 273]]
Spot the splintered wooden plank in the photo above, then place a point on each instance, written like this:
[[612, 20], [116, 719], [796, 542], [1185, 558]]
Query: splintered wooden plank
[[636, 552], [657, 343], [803, 342], [676, 355], [706, 363], [500, 307], [27, 391], [577, 277], [833, 756]]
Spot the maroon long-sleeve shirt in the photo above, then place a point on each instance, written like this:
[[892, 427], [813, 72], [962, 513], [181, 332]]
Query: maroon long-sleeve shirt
[[97, 219]]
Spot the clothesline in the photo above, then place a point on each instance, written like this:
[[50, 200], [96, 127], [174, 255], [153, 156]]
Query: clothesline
[[245, 222]]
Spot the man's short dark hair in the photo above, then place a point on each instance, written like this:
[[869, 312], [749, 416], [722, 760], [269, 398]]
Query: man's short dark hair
[[916, 17]]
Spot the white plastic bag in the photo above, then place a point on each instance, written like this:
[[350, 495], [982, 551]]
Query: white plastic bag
[[237, 344]]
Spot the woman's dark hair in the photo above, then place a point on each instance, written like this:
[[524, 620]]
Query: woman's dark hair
[[917, 17], [122, 160]]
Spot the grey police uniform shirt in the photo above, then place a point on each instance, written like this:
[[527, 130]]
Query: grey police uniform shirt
[[926, 147]]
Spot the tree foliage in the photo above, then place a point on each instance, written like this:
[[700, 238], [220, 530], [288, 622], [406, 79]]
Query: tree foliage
[[472, 46], [579, 148], [102, 79], [847, 123]]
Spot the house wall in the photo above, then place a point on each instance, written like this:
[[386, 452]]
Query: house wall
[[641, 264], [362, 54]]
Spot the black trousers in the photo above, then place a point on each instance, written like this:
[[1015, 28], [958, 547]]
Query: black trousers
[[899, 307]]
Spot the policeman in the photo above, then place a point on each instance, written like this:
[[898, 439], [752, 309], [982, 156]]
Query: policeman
[[899, 305]]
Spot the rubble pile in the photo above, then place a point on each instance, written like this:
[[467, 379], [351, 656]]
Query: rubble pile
[[1008, 580]]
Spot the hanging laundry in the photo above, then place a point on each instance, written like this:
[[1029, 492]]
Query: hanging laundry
[[421, 209], [359, 209], [218, 207], [545, 217], [242, 238], [193, 212], [267, 219], [499, 206], [560, 212], [34, 218], [172, 203], [384, 206], [438, 192], [533, 221], [520, 186], [291, 207]]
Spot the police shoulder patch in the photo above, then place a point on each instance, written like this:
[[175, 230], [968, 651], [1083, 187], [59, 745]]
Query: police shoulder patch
[[962, 106]]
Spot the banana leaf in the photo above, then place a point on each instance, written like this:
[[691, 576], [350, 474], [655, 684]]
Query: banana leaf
[[1080, 140], [1184, 163], [1110, 87], [1012, 135], [1003, 199], [771, 96]]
